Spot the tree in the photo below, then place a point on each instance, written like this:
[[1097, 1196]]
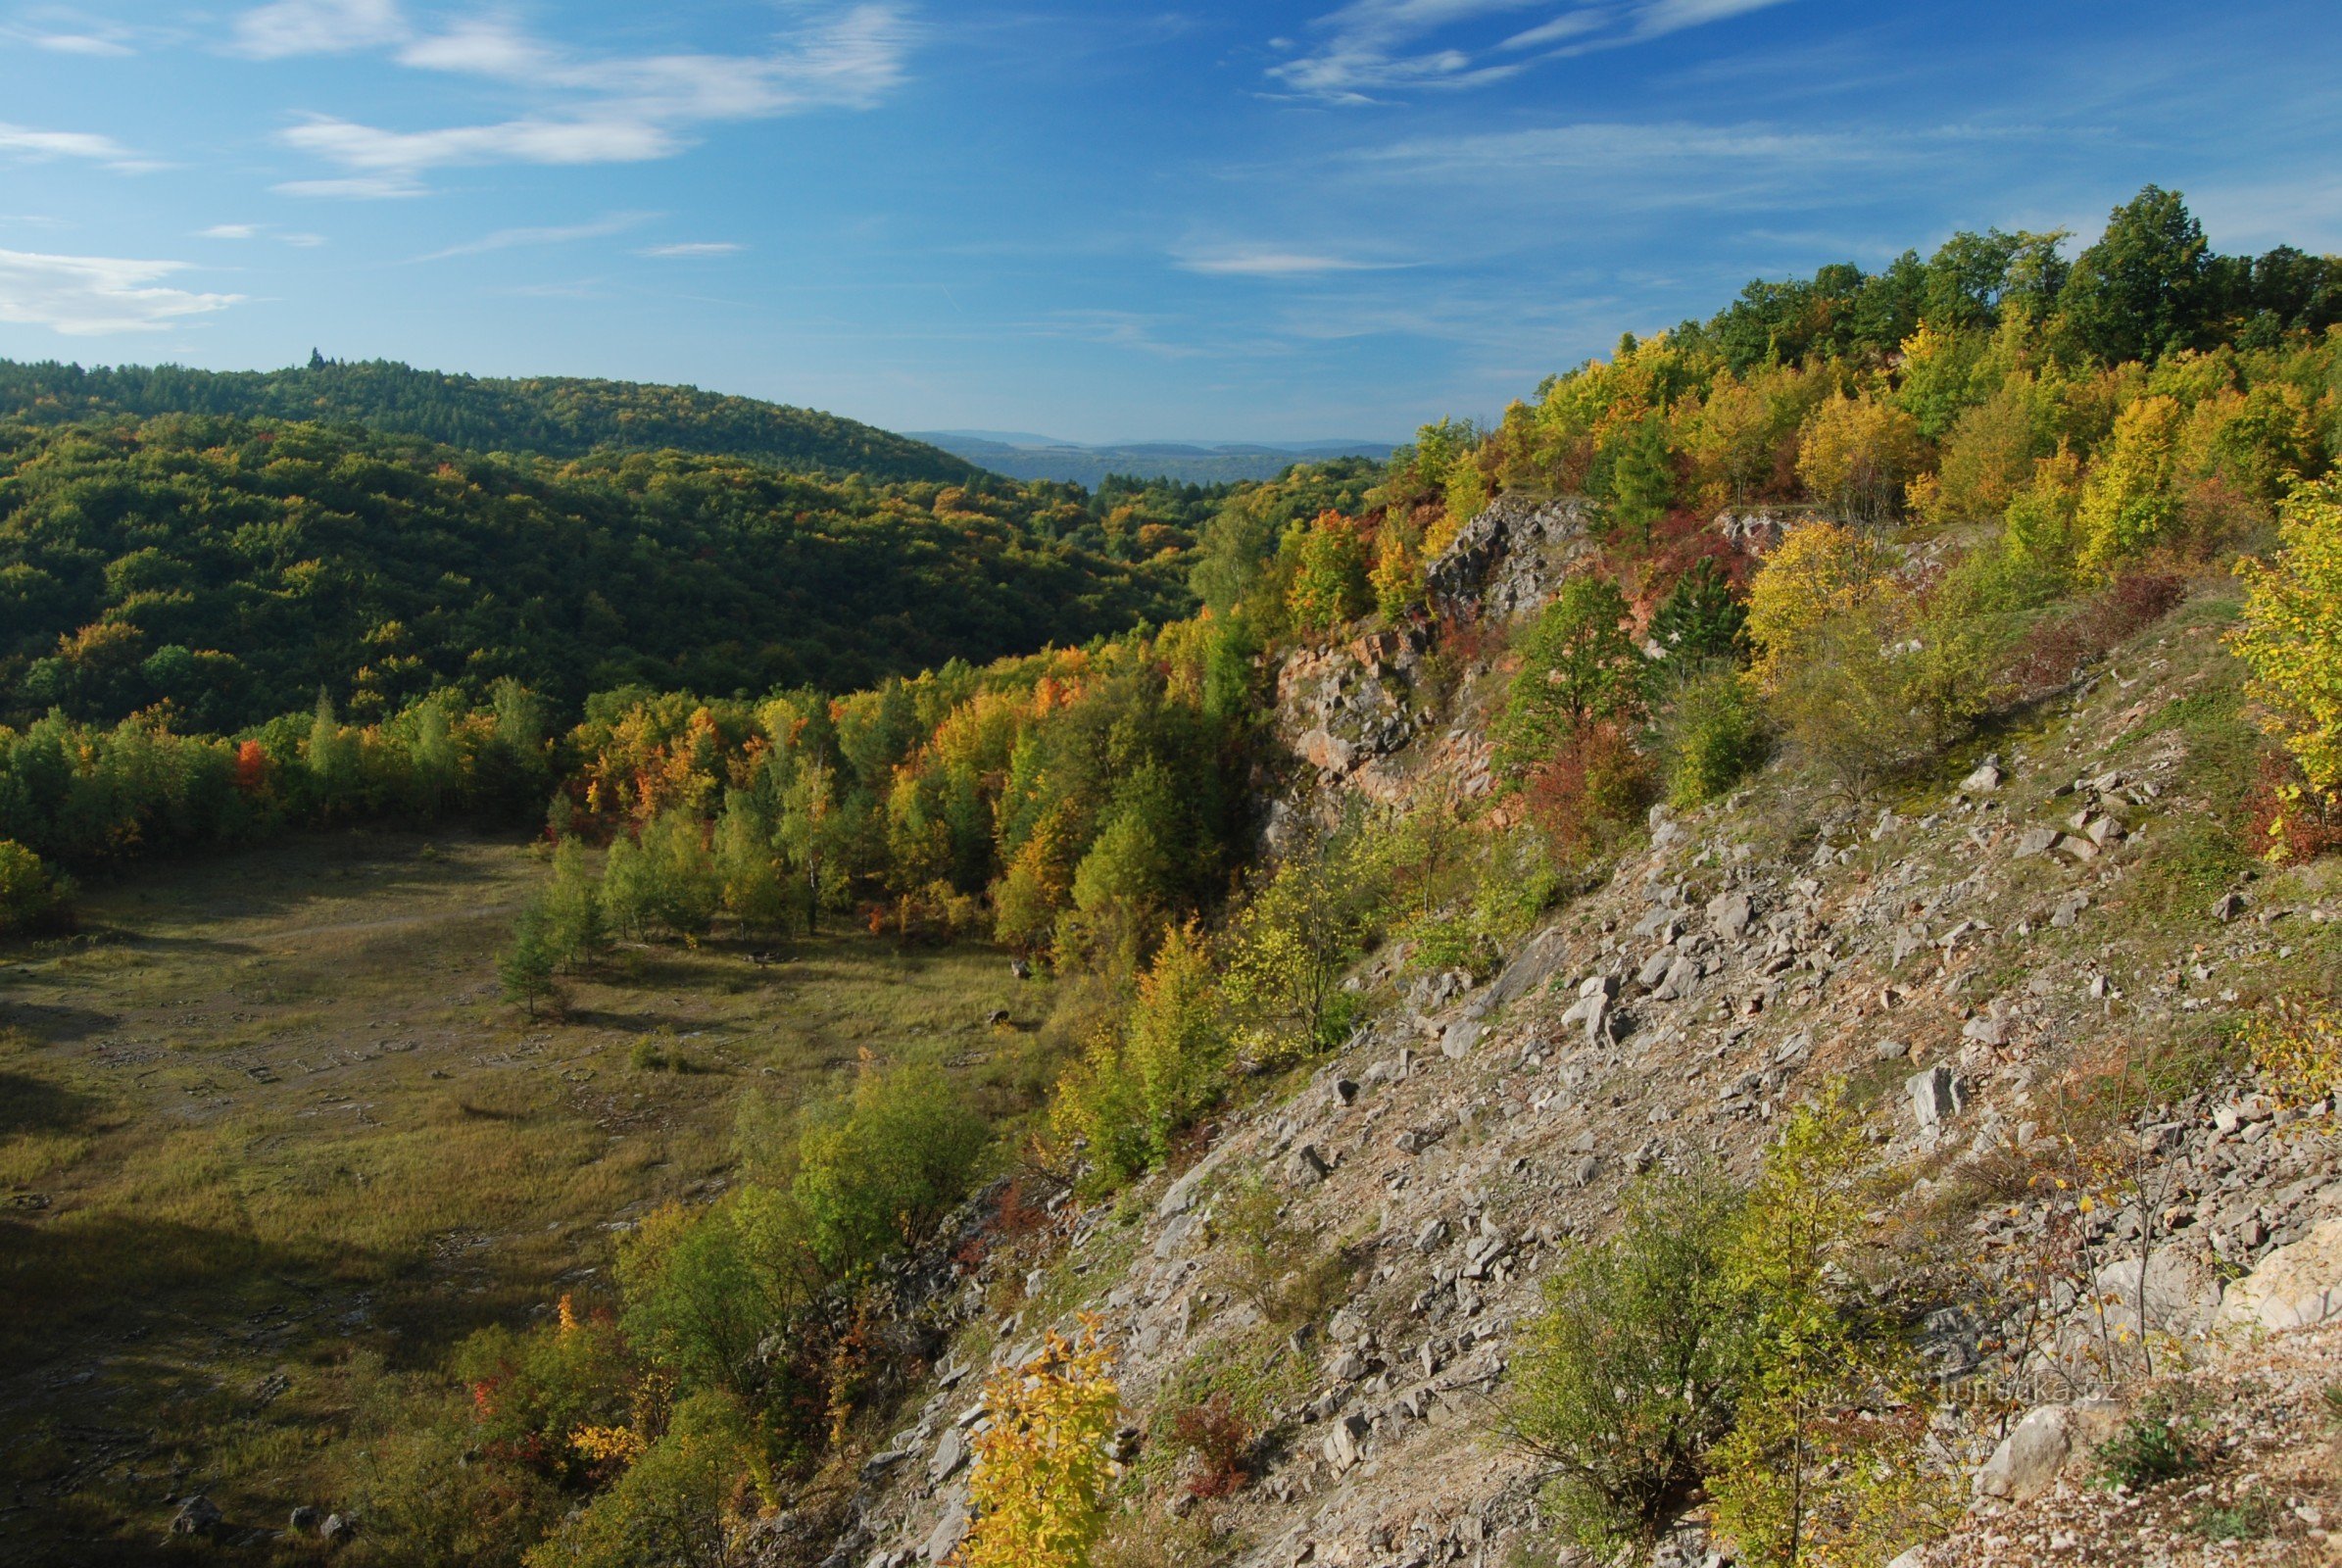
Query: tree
[[1135, 1090], [1856, 453], [2291, 638], [1643, 479], [571, 905], [1823, 1462], [1700, 619], [525, 971], [1042, 1465], [2142, 291], [755, 888], [1578, 666], [2129, 501], [1329, 585], [1290, 944]]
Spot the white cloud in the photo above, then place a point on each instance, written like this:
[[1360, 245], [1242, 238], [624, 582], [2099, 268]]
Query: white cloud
[[84, 296], [1381, 46], [1276, 264], [692, 247], [288, 28], [504, 239], [104, 45], [230, 231], [24, 142], [600, 109]]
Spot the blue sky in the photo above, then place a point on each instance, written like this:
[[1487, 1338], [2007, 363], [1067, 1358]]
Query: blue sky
[[1226, 222]]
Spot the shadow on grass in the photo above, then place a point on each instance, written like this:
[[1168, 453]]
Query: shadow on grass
[[36, 1106], [54, 1022]]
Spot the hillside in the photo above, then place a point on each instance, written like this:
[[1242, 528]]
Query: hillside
[[555, 416], [1031, 457], [1737, 970], [236, 567]]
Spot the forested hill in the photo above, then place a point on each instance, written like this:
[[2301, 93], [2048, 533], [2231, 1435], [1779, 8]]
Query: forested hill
[[554, 416], [234, 568]]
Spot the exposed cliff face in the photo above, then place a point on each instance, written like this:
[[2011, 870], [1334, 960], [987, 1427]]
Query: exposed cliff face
[[1960, 958]]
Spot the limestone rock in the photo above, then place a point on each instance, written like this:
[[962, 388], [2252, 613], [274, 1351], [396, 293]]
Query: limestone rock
[[2294, 1287]]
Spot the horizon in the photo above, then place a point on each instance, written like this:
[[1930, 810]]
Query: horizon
[[1280, 225]]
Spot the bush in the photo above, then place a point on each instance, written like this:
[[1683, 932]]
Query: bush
[[33, 898], [1712, 734], [533, 1391], [2291, 638], [1628, 1378], [1038, 1486], [1330, 586], [878, 1177], [1283, 1273], [671, 1506], [1217, 1438], [2164, 1441], [1137, 1088]]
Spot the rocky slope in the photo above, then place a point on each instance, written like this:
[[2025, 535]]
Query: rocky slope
[[2039, 940]]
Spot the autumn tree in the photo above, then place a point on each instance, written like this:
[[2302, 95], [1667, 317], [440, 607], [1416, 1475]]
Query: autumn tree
[[2291, 638], [1857, 453], [1043, 1463]]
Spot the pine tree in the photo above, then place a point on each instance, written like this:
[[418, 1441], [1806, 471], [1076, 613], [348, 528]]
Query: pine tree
[[526, 966]]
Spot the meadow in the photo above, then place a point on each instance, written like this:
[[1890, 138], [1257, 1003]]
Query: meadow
[[270, 1144]]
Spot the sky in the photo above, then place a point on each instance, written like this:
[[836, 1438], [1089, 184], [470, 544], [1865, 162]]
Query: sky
[[1242, 220]]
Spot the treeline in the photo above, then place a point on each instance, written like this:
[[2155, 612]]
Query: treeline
[[552, 416], [229, 570], [2199, 384]]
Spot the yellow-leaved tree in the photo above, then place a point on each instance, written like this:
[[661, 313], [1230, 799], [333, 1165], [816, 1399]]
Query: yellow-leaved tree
[[1043, 1463], [2292, 641]]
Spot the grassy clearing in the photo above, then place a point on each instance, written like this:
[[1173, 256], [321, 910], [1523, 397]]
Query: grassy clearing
[[270, 1144]]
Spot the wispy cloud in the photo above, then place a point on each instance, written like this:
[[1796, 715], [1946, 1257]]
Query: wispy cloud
[[23, 143], [599, 109], [288, 28], [1373, 48], [230, 231], [88, 296], [1277, 263], [504, 239], [691, 249]]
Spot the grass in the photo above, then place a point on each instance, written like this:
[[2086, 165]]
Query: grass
[[265, 1116]]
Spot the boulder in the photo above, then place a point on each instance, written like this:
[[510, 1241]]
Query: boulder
[[1729, 913], [2039, 1448], [949, 1532], [1936, 1098], [198, 1515], [2183, 1287], [1306, 1167], [1341, 1445], [950, 1454], [2294, 1287]]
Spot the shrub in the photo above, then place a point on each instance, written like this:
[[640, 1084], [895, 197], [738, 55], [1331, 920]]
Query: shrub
[[1628, 1378], [879, 1175], [1289, 945], [2129, 502], [33, 898], [1217, 1438], [1038, 1486], [1712, 734], [2291, 638], [1135, 1092], [671, 1506], [2164, 1441], [1283, 1272], [533, 1391], [2297, 1049]]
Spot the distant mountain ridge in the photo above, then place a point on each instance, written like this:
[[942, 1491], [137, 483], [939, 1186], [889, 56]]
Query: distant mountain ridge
[[554, 417], [1021, 455]]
